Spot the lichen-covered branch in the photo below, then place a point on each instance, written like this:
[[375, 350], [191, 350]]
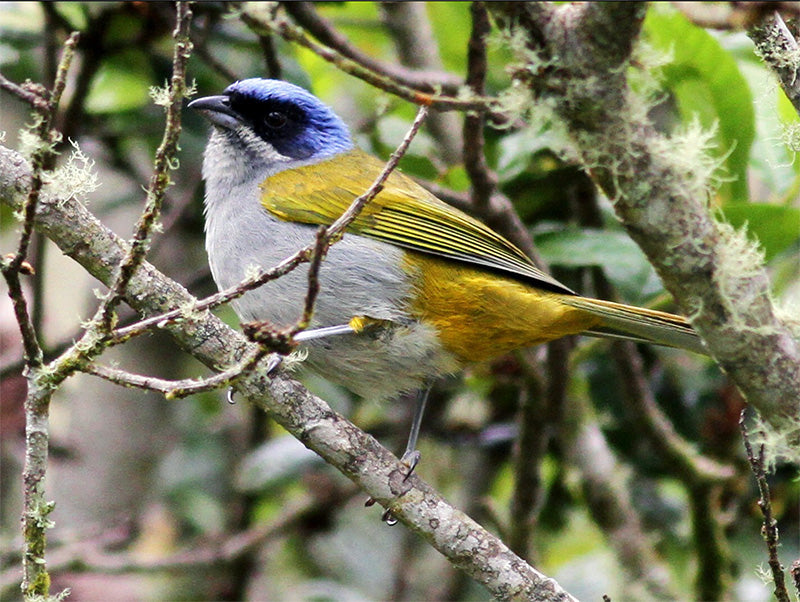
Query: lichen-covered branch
[[35, 521], [356, 454], [581, 54], [779, 49]]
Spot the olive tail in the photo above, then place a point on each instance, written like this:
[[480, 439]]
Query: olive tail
[[637, 324]]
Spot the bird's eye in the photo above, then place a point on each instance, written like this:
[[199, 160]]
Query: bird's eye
[[276, 119]]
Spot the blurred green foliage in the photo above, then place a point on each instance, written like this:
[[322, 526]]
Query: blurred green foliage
[[219, 474]]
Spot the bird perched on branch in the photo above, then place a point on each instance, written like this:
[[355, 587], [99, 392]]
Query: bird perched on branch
[[437, 288]]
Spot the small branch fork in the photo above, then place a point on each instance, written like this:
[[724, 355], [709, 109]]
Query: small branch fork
[[770, 528]]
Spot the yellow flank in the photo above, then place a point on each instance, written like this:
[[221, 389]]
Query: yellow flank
[[479, 315]]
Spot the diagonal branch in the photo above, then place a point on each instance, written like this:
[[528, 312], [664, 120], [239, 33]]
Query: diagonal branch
[[360, 457]]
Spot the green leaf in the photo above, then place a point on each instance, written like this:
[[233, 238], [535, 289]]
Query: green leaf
[[707, 85], [776, 227], [121, 84], [621, 259]]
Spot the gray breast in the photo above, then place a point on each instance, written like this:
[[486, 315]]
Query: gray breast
[[360, 277]]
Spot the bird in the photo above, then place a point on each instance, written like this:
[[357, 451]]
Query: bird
[[438, 289]]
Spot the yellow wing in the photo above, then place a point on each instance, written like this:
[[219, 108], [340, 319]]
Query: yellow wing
[[403, 213]]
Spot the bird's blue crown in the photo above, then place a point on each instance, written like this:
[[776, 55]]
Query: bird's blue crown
[[294, 121]]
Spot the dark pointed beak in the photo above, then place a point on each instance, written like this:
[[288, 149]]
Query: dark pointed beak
[[217, 109]]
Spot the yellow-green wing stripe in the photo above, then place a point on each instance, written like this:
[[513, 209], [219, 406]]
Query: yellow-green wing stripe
[[403, 213]]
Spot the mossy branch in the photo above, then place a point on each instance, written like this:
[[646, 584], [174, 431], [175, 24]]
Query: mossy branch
[[711, 270]]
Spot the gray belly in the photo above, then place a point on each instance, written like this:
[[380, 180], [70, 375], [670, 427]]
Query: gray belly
[[359, 277]]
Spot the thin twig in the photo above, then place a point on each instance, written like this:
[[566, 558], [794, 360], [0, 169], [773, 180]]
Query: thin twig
[[178, 389], [164, 162], [33, 95], [321, 245], [335, 230], [281, 26], [270, 54], [121, 335], [770, 528], [319, 27], [483, 180]]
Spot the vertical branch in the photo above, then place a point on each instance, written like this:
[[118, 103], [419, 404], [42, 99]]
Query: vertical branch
[[164, 162], [484, 182], [713, 580], [530, 447], [36, 581], [770, 528]]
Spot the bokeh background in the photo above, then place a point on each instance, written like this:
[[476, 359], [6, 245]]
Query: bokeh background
[[199, 499]]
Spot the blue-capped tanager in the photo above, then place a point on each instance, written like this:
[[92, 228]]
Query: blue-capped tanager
[[445, 289]]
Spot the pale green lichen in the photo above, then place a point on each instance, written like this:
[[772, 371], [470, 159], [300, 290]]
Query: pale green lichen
[[781, 444], [294, 359], [76, 178], [40, 512], [59, 597], [188, 312], [646, 72], [162, 95], [689, 150], [252, 272], [739, 259], [790, 136], [775, 51], [31, 143]]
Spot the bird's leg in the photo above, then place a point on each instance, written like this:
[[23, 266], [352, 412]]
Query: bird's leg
[[411, 456]]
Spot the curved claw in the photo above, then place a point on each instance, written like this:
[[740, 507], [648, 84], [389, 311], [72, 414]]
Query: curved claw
[[410, 459], [274, 363]]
